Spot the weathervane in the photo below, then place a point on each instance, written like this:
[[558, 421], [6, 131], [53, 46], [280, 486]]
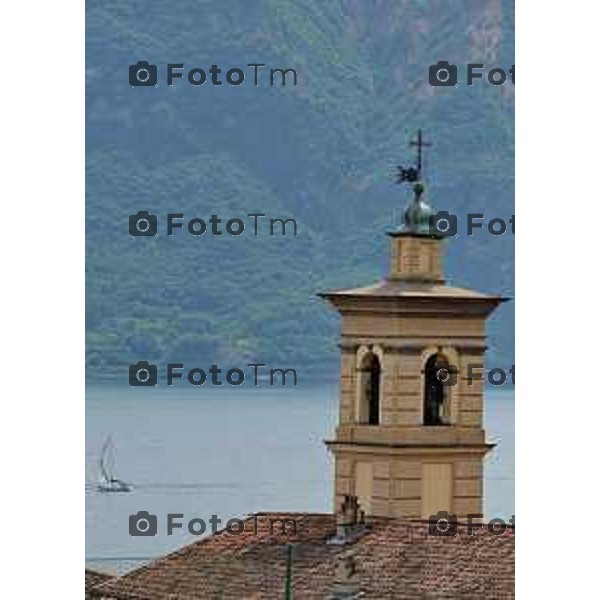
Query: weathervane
[[413, 174]]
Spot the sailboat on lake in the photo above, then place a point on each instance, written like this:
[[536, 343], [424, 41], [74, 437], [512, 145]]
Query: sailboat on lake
[[109, 483]]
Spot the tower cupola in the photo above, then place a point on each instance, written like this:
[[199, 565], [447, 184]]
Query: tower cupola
[[418, 214]]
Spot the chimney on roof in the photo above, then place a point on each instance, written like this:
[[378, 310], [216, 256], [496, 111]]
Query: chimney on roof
[[350, 521]]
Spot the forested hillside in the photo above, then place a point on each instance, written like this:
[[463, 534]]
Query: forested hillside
[[322, 152]]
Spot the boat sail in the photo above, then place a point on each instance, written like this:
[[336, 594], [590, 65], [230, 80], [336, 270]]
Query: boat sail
[[109, 483]]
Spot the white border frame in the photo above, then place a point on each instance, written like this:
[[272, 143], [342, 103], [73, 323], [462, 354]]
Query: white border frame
[[43, 268]]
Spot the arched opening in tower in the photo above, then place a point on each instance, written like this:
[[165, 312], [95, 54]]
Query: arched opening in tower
[[435, 391], [371, 368]]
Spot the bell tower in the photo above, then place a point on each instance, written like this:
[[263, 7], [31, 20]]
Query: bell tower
[[410, 440]]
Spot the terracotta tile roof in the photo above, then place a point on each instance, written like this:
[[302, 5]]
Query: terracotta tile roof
[[393, 559], [93, 579]]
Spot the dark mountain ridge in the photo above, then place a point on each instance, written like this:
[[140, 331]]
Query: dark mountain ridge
[[322, 152]]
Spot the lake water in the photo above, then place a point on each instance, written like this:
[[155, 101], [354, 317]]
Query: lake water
[[230, 451]]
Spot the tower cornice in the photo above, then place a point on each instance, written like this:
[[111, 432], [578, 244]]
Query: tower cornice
[[391, 297]]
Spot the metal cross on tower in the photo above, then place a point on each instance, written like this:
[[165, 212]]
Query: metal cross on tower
[[413, 174], [420, 144]]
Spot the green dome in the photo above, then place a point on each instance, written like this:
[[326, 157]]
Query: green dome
[[418, 214]]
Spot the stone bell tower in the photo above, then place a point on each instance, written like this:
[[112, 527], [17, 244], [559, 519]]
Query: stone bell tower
[[410, 440]]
